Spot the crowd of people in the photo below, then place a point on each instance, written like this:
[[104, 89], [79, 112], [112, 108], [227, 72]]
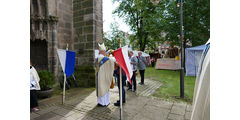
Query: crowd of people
[[107, 67]]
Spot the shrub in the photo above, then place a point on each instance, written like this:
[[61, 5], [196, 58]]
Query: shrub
[[46, 80]]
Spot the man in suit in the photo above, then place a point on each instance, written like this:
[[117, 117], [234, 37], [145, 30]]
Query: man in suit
[[141, 66]]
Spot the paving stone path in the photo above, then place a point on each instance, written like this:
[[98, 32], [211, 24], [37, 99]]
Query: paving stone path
[[139, 106]]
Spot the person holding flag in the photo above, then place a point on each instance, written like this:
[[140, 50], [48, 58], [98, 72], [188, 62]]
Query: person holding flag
[[124, 78], [104, 76], [122, 58]]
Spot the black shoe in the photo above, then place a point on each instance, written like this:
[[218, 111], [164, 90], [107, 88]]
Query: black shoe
[[117, 104], [140, 83], [119, 101], [134, 90], [99, 105], [129, 89]]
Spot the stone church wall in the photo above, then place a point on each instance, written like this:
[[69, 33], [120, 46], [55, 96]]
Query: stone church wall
[[78, 23], [87, 20]]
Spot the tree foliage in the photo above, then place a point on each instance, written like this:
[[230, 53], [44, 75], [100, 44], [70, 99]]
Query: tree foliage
[[111, 38], [196, 21], [142, 16], [148, 21]]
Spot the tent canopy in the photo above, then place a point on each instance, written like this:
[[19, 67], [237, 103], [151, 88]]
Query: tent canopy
[[135, 53], [201, 47], [145, 55], [192, 58]]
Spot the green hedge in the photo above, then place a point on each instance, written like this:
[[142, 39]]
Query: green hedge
[[85, 75], [46, 79]]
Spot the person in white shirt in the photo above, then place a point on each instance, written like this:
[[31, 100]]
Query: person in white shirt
[[34, 85]]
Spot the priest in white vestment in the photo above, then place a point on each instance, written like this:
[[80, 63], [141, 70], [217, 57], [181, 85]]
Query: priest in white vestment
[[104, 76]]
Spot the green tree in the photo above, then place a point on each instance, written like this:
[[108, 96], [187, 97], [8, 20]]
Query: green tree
[[148, 21], [143, 18], [196, 21], [111, 38]]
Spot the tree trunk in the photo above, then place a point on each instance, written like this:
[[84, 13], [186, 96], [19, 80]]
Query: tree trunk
[[141, 35], [140, 42], [144, 41]]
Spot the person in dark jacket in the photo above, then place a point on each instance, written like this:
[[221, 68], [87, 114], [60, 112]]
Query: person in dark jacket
[[141, 66], [124, 78]]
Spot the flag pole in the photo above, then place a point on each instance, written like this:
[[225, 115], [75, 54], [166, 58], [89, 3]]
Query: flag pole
[[64, 82], [64, 85], [121, 112]]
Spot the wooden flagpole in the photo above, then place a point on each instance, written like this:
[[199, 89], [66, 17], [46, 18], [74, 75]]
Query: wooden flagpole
[[121, 111], [64, 83]]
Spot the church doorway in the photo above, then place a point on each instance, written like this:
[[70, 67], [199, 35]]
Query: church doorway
[[39, 54]]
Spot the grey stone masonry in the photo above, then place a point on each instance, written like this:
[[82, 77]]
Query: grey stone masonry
[[65, 23], [77, 23], [87, 19], [87, 24], [43, 27]]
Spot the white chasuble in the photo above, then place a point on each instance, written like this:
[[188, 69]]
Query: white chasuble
[[104, 79]]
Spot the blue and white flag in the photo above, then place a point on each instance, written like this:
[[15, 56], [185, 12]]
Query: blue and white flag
[[67, 60]]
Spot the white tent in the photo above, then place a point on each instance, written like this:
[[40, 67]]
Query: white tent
[[201, 97], [192, 58], [135, 53], [147, 56]]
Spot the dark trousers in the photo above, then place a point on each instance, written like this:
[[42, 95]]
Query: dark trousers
[[142, 75], [153, 64], [133, 79], [33, 99], [124, 78]]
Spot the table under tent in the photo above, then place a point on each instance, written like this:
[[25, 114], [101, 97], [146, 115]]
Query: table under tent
[[192, 58]]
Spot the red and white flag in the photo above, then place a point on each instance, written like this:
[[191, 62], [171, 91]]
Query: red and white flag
[[121, 56]]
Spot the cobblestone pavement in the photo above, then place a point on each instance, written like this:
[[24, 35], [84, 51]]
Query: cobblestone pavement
[[139, 106]]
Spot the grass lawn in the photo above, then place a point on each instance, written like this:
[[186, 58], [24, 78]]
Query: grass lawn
[[171, 84]]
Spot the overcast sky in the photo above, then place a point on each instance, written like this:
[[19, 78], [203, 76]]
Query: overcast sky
[[108, 17]]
